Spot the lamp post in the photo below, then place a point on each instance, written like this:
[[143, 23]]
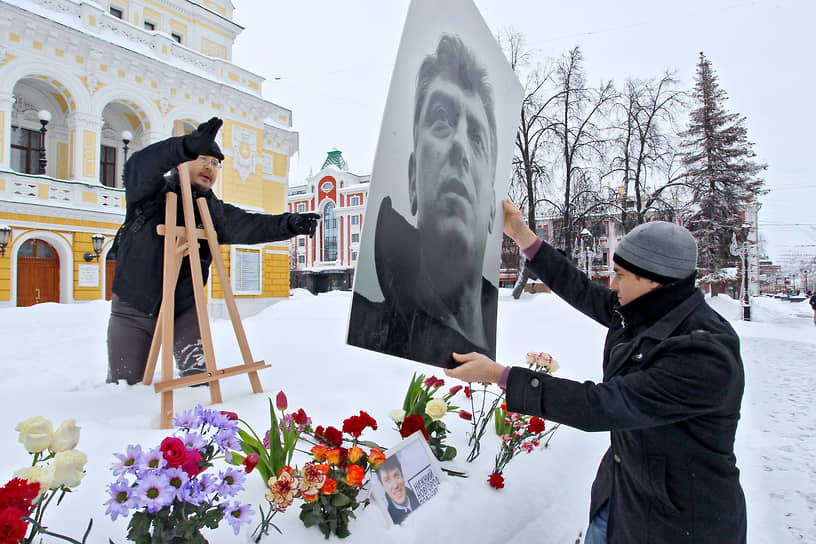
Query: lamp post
[[44, 116], [97, 240], [746, 298], [5, 232], [586, 238], [126, 138]]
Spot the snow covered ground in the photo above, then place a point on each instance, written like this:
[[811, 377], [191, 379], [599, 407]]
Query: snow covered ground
[[54, 364]]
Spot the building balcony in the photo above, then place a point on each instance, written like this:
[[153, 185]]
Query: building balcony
[[39, 190]]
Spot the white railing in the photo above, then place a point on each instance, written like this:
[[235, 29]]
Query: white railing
[[45, 190]]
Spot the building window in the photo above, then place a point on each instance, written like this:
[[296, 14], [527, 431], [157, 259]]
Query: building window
[[301, 259], [301, 207], [605, 258], [355, 201], [355, 219], [245, 270], [353, 256], [176, 36], [116, 12], [301, 242], [25, 150], [149, 26], [36, 248], [329, 233], [355, 238], [107, 166]]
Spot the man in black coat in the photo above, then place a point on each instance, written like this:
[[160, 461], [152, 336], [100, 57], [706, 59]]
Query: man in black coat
[[137, 283], [670, 397]]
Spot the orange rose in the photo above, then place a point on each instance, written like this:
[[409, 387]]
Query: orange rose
[[355, 454], [324, 468], [329, 487], [319, 453], [376, 457], [355, 475], [333, 456]]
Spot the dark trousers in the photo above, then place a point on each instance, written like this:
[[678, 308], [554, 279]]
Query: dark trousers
[[130, 333]]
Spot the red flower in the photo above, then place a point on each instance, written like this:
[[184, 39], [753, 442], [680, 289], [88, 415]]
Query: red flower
[[329, 435], [536, 425], [411, 424], [496, 480], [232, 416], [251, 462], [319, 453], [464, 414], [455, 389], [300, 417], [329, 487], [354, 426], [190, 465], [174, 451], [12, 527], [355, 475], [467, 391], [370, 421], [280, 401], [18, 493]]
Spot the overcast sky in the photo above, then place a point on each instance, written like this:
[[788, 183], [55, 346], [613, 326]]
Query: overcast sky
[[331, 62]]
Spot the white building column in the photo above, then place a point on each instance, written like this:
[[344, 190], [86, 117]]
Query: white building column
[[6, 102], [84, 130]]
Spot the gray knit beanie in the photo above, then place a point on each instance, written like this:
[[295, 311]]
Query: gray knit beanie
[[660, 251]]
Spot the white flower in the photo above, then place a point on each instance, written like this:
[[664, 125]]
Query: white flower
[[42, 474], [531, 357], [436, 408], [397, 415], [553, 366], [69, 468], [36, 434], [66, 437]]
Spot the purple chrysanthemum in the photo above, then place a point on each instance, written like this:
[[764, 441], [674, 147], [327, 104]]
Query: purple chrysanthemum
[[232, 481], [154, 492], [238, 514], [127, 462], [187, 420], [193, 441], [177, 478], [121, 499], [152, 460]]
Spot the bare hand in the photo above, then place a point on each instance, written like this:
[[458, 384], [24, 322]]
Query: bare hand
[[475, 367], [515, 227]]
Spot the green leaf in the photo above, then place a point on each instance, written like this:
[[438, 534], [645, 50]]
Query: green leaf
[[450, 453], [340, 500]]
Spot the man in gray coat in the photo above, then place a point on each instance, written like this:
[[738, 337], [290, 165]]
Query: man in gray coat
[[670, 397]]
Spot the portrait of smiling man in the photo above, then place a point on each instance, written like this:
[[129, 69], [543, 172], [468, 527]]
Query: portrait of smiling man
[[435, 297]]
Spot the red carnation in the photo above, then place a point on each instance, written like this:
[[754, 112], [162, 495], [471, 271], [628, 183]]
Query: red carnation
[[412, 424], [536, 425], [18, 493], [12, 527], [330, 435], [370, 421], [354, 426], [300, 417], [467, 391], [174, 451], [496, 480]]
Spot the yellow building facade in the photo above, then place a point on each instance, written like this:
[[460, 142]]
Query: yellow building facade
[[83, 84]]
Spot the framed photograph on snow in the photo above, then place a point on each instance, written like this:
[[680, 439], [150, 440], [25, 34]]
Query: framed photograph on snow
[[409, 477]]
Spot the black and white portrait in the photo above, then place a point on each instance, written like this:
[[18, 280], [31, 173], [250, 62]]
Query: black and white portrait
[[427, 275]]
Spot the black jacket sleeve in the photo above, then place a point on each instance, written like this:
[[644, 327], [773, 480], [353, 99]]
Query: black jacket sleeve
[[572, 285], [236, 226], [144, 170]]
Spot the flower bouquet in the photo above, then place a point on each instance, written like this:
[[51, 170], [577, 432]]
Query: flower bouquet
[[423, 412], [170, 489], [56, 468], [330, 486]]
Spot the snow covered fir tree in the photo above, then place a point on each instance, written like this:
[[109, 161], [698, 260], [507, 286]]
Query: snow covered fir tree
[[721, 171]]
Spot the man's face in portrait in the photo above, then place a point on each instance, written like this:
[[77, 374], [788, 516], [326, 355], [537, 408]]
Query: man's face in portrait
[[451, 173], [394, 485]]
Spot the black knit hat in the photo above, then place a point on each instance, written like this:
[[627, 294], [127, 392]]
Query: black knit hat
[[660, 251]]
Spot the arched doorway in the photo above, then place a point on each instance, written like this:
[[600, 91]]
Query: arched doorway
[[37, 273]]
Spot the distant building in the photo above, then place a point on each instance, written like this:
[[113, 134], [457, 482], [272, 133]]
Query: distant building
[[327, 261], [94, 80]]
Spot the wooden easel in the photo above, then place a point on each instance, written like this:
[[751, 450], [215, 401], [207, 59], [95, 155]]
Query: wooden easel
[[178, 242]]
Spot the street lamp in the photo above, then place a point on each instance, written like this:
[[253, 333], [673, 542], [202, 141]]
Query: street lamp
[[97, 240], [44, 116], [586, 238], [5, 232], [746, 298], [126, 138]]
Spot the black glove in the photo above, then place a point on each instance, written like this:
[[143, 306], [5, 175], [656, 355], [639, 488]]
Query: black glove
[[303, 223], [200, 141]]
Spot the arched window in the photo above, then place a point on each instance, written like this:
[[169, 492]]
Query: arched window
[[329, 233]]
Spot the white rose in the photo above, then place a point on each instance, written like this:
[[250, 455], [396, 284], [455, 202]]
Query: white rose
[[69, 468], [397, 415], [66, 437], [554, 366], [42, 474], [36, 434], [436, 408]]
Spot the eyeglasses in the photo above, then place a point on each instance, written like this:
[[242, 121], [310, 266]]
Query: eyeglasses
[[210, 161]]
